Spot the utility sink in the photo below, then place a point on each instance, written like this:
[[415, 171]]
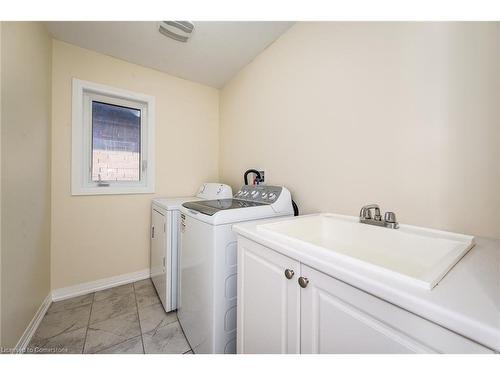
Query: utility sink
[[411, 254]]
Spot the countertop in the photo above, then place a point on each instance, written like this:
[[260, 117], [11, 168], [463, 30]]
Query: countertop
[[466, 301]]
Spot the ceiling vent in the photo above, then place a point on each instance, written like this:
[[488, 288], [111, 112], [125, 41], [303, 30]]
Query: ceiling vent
[[177, 30]]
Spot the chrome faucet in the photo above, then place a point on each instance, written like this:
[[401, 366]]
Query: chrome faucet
[[365, 217]]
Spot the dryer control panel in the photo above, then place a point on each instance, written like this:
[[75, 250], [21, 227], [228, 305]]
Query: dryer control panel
[[259, 193], [212, 190]]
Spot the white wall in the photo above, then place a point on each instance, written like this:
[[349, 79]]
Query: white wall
[[406, 115], [95, 237], [25, 172]]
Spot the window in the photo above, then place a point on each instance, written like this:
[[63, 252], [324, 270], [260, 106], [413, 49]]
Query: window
[[113, 145], [116, 142]]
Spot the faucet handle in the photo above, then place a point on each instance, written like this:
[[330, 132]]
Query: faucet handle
[[365, 212], [390, 217]]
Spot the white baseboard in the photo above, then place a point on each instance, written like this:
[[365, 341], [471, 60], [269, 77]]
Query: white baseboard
[[94, 286], [28, 333]]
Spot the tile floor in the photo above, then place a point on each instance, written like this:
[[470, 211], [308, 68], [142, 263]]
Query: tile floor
[[128, 319]]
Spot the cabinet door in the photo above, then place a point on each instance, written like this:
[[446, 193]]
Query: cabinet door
[[158, 255], [268, 302], [337, 318]]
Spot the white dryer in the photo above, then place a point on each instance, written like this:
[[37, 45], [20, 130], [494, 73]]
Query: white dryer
[[208, 265], [165, 244]]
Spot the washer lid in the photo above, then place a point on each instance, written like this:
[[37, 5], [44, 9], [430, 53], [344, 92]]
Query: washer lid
[[214, 206], [173, 203]]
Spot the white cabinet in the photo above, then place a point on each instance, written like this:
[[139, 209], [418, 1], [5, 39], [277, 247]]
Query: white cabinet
[[324, 314], [334, 320], [268, 302]]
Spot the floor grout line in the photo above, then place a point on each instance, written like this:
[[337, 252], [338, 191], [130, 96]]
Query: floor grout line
[[183, 333], [111, 317], [88, 323], [67, 330], [119, 315], [139, 319]]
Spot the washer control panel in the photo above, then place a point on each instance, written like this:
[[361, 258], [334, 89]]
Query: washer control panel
[[259, 193]]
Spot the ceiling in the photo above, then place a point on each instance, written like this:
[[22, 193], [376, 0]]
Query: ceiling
[[215, 53]]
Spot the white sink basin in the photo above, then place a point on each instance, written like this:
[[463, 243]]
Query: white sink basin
[[416, 255]]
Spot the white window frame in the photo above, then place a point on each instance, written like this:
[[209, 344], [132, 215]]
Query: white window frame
[[81, 161]]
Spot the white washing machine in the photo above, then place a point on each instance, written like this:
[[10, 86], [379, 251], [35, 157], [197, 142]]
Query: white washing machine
[[208, 264], [165, 244]]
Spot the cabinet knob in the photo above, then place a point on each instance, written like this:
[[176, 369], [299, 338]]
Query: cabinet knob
[[303, 281], [289, 273]]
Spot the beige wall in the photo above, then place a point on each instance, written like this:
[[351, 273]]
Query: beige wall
[[95, 237], [405, 115], [25, 171]]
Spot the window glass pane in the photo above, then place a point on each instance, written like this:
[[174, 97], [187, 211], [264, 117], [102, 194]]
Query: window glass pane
[[116, 142]]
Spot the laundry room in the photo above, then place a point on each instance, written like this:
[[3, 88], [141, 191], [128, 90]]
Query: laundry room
[[224, 186]]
